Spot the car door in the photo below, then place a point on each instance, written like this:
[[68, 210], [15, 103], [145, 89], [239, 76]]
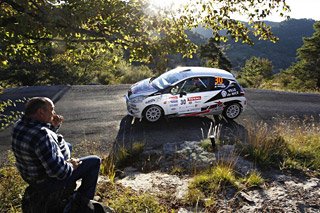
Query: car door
[[193, 94]]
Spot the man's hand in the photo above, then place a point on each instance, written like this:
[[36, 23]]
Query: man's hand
[[75, 162], [57, 120]]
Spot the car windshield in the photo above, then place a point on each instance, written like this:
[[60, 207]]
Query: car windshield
[[166, 79]]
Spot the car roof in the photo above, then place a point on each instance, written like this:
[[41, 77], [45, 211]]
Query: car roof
[[202, 71]]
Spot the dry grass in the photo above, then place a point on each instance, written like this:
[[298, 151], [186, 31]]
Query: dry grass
[[289, 144], [303, 139], [263, 145], [124, 200], [207, 188]]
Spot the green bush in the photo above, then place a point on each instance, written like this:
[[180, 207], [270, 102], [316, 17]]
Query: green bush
[[12, 187], [136, 74]]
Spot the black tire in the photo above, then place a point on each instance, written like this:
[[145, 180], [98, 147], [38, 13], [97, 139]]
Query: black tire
[[153, 113], [232, 111]]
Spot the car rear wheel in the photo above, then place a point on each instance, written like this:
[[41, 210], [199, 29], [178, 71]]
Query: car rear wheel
[[153, 113], [232, 111]]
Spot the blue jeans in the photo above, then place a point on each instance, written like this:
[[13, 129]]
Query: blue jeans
[[89, 181], [88, 171]]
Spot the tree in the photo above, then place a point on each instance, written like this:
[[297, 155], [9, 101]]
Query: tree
[[256, 70], [305, 73], [217, 15], [26, 25], [213, 53]]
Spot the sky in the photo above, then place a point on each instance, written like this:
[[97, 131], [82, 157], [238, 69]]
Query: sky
[[303, 9], [309, 9]]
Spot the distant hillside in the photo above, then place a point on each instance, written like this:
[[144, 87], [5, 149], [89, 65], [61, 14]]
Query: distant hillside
[[282, 53], [207, 33]]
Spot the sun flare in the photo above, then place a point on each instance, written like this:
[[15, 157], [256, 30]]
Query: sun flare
[[173, 4]]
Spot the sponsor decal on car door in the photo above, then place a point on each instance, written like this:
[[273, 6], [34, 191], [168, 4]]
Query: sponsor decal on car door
[[200, 105], [190, 103], [172, 104]]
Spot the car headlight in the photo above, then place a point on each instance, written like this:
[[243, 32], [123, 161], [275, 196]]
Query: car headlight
[[138, 99]]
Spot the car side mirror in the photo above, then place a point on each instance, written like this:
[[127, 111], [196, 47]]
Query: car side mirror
[[174, 90], [182, 94]]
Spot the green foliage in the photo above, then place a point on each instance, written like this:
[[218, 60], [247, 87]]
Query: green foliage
[[126, 156], [262, 146], [33, 32], [8, 113], [27, 26], [289, 144], [256, 71], [305, 73], [12, 187], [303, 139], [126, 200], [177, 171], [213, 54], [243, 82], [209, 183], [107, 167], [206, 145], [55, 68], [254, 179], [135, 74], [205, 187], [66, 67], [123, 72], [299, 78], [120, 159]]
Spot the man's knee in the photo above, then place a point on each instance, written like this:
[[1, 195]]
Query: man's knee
[[95, 160]]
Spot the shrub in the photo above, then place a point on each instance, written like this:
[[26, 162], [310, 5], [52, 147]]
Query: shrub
[[135, 74], [206, 145], [254, 179], [12, 187]]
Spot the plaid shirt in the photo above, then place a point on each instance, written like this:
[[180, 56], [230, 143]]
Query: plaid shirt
[[40, 153]]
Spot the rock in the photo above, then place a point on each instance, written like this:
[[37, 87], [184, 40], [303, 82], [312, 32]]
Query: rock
[[282, 192]]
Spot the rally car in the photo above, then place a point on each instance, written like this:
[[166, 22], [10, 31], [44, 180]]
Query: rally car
[[187, 91]]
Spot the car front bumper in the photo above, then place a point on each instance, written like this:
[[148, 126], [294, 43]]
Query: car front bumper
[[133, 109]]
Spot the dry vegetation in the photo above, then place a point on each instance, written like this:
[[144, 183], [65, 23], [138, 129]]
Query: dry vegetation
[[293, 144]]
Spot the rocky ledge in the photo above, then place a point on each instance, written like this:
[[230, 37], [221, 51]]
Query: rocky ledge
[[282, 191]]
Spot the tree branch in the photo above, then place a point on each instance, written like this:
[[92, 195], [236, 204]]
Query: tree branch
[[15, 6]]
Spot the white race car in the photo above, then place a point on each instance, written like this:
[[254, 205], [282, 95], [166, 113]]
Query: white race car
[[187, 91]]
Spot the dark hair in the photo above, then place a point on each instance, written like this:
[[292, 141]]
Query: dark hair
[[34, 104]]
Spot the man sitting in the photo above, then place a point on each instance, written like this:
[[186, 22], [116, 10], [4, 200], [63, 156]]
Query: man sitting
[[43, 157]]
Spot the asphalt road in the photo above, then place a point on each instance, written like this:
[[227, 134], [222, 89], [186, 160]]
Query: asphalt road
[[98, 113]]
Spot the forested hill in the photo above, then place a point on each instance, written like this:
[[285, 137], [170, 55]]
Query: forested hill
[[282, 53]]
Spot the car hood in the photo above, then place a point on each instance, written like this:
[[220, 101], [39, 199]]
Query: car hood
[[142, 88]]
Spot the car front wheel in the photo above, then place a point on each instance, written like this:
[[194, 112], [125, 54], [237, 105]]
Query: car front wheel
[[232, 111], [153, 113]]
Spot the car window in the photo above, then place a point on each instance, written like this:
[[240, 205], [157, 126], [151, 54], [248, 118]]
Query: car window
[[193, 85], [218, 83], [165, 80]]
